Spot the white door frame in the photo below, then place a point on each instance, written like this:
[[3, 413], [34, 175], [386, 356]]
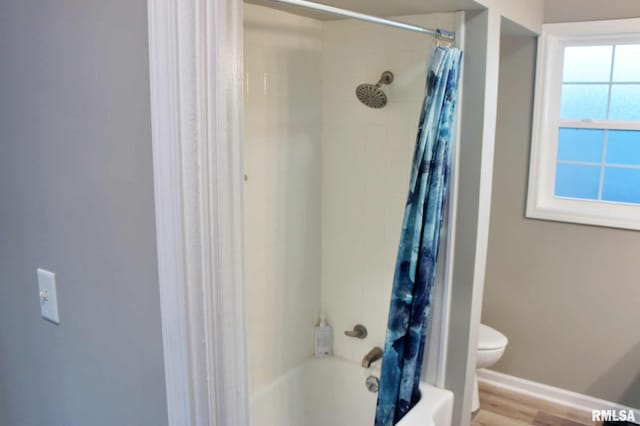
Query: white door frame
[[196, 116]]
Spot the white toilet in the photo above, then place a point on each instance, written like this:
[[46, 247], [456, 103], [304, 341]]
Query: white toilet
[[491, 346]]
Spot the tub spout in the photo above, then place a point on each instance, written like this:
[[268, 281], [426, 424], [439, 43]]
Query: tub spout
[[371, 357]]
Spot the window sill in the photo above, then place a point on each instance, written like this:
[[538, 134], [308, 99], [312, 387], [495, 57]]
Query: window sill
[[604, 214]]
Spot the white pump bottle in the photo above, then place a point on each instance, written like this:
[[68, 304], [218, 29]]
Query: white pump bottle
[[323, 339]]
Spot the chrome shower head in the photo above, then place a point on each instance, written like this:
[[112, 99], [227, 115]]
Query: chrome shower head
[[371, 94]]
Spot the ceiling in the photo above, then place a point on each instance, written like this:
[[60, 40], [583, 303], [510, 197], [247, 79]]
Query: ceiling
[[380, 8]]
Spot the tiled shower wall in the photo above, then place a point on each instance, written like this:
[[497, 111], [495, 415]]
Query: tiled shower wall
[[327, 178], [366, 160], [283, 88]]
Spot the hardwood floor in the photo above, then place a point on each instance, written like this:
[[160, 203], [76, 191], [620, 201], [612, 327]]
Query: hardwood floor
[[499, 407]]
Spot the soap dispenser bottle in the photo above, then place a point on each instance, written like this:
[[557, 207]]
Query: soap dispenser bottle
[[323, 339]]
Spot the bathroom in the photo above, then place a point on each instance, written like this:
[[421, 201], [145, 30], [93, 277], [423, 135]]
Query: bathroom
[[325, 186], [320, 213]]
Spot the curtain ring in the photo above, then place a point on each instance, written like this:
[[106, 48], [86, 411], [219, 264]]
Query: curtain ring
[[440, 41]]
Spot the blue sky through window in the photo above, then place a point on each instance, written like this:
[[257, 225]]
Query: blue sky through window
[[600, 83]]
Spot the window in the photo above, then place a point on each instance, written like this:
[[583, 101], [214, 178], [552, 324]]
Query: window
[[585, 156]]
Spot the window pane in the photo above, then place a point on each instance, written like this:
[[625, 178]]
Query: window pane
[[627, 63], [622, 185], [587, 64], [581, 145], [623, 147], [584, 101], [577, 181], [625, 102]]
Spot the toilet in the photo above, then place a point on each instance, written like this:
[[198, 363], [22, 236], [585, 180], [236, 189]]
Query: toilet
[[491, 346]]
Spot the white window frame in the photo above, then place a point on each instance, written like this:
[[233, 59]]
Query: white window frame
[[541, 200]]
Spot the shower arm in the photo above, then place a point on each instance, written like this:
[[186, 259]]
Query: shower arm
[[438, 33], [385, 78]]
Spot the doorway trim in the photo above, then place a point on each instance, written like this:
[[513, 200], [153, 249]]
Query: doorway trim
[[195, 54]]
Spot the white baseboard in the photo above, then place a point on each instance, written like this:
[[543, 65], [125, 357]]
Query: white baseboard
[[550, 393]]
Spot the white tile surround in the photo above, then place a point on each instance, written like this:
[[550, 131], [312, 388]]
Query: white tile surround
[[366, 160], [327, 178], [283, 65]]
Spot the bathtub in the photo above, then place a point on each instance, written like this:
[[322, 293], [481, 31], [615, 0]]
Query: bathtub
[[332, 392]]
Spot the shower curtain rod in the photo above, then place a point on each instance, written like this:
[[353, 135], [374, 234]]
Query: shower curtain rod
[[442, 34]]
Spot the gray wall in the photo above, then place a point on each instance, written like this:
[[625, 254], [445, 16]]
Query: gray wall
[[565, 295], [77, 198], [482, 37], [590, 10]]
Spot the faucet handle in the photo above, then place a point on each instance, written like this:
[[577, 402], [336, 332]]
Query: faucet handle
[[359, 332]]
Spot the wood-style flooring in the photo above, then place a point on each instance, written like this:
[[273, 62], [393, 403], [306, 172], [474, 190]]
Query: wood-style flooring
[[499, 407]]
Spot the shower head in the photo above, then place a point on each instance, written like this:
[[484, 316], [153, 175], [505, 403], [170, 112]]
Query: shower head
[[371, 94]]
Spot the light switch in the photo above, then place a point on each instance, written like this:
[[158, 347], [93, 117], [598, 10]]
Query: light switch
[[48, 296]]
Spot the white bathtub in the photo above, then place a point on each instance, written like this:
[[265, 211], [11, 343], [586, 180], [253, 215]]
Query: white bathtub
[[332, 392]]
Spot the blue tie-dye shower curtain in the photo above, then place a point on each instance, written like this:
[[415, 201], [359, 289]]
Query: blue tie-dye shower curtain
[[416, 264]]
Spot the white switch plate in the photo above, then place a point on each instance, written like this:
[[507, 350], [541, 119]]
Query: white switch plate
[[48, 295]]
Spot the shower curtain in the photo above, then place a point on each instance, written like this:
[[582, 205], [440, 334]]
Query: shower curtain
[[416, 263]]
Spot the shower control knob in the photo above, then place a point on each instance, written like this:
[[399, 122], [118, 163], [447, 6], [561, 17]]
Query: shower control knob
[[373, 384], [359, 332]]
